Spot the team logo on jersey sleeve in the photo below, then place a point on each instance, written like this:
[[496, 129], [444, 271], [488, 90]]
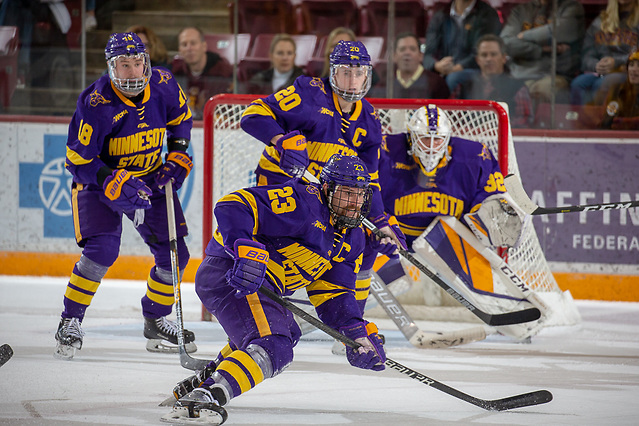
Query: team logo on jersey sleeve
[[317, 82], [95, 99], [485, 153], [165, 76]]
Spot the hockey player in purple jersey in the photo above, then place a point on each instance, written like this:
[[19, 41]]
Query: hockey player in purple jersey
[[114, 147], [283, 237], [426, 173], [304, 124]]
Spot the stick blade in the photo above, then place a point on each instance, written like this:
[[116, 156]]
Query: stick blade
[[518, 401], [517, 317], [424, 340], [6, 352]]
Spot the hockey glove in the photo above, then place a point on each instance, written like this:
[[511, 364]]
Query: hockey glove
[[370, 355], [126, 191], [293, 154], [177, 167], [389, 226], [249, 269]]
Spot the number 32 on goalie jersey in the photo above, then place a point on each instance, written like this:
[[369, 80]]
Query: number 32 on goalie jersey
[[282, 200], [495, 182]]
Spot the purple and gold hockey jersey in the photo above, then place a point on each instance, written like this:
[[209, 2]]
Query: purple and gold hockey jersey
[[108, 129], [311, 107], [295, 225], [456, 186]]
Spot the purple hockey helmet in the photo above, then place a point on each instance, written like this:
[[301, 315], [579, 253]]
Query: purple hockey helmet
[[350, 63], [127, 45], [351, 172]]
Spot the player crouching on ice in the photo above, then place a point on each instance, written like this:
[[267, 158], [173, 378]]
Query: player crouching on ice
[[114, 155], [282, 237], [429, 180]]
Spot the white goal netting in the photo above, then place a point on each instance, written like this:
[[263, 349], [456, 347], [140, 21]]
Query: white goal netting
[[231, 156]]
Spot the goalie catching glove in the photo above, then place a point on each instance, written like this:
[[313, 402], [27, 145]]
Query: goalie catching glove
[[370, 355], [249, 270], [126, 191], [499, 222], [178, 165], [293, 154], [388, 225]]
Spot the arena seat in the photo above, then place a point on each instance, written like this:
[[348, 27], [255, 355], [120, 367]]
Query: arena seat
[[263, 16], [410, 15], [320, 17], [224, 45]]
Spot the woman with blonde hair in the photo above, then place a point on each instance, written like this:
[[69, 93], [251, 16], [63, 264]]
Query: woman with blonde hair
[[622, 102], [608, 42], [154, 45]]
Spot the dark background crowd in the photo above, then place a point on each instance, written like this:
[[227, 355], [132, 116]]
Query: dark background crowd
[[580, 65]]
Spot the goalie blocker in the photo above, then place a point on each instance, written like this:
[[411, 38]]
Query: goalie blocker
[[467, 270]]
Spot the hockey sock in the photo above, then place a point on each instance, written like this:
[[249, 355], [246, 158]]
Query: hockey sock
[[159, 298]]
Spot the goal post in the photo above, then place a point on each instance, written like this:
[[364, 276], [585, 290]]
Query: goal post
[[231, 156]]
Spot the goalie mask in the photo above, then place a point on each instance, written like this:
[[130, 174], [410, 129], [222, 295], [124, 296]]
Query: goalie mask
[[348, 194], [351, 70], [134, 77], [430, 130]]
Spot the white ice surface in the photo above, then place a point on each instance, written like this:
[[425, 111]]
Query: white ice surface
[[591, 369]]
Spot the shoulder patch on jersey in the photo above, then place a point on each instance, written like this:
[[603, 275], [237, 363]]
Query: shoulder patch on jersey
[[485, 153], [314, 190], [96, 98], [165, 76], [317, 82]]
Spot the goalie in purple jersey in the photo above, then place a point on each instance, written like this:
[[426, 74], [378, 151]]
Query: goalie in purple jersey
[[304, 124], [114, 147], [426, 173], [283, 237]]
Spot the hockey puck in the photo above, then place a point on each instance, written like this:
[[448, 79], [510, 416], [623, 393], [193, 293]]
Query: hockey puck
[[5, 353]]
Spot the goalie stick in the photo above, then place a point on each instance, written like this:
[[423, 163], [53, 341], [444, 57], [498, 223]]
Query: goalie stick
[[5, 354], [518, 193], [508, 403], [418, 338], [507, 318], [186, 360]]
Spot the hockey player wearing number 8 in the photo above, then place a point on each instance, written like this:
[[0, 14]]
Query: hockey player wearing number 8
[[282, 237], [427, 173], [304, 124], [114, 151]]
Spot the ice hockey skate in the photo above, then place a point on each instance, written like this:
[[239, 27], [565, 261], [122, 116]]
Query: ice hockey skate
[[199, 407], [192, 382], [69, 338], [162, 335]]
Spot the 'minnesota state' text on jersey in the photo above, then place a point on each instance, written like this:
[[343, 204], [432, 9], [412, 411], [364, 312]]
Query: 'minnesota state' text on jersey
[[311, 107], [296, 227], [110, 130], [455, 187]]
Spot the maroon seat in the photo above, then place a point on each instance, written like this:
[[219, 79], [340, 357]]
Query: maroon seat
[[410, 16], [9, 42], [320, 17], [263, 16], [224, 45]]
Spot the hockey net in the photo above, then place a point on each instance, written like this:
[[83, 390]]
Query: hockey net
[[231, 156]]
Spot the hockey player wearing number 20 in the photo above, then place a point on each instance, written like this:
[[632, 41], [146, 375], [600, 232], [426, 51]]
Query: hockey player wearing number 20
[[282, 237], [304, 124], [114, 152]]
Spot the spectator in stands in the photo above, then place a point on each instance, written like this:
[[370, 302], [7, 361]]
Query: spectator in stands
[[334, 37], [283, 71], [201, 73], [608, 42], [527, 35], [622, 102], [412, 80], [90, 22], [154, 45], [494, 82], [452, 35]]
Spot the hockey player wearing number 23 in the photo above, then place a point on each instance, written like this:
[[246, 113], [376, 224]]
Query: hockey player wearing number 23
[[114, 147], [306, 123], [282, 237]]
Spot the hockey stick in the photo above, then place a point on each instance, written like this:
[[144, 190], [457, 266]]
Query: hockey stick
[[523, 400], [418, 338], [186, 360], [507, 318], [517, 192]]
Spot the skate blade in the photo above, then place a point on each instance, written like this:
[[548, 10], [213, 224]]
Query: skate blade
[[168, 402], [180, 415], [162, 346], [64, 352]]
